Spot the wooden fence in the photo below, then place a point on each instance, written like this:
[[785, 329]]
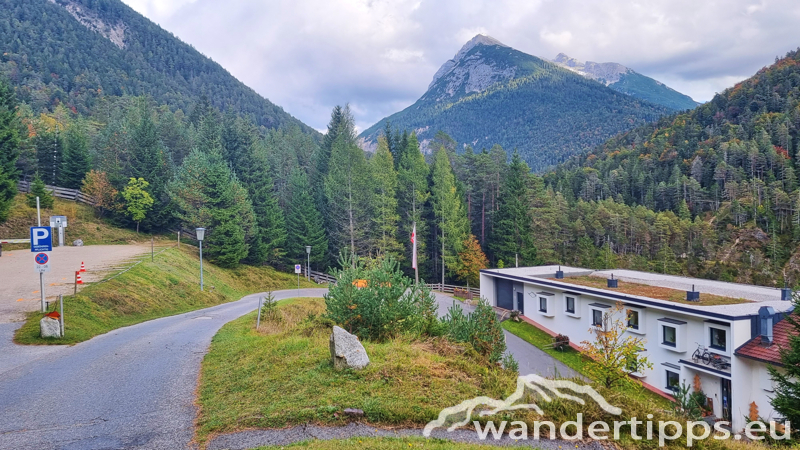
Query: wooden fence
[[69, 194], [318, 277], [450, 289]]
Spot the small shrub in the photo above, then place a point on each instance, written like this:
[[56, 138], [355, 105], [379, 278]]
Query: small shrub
[[515, 315], [269, 308], [510, 363], [481, 329]]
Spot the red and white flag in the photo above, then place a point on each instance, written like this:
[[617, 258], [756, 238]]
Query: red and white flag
[[414, 241]]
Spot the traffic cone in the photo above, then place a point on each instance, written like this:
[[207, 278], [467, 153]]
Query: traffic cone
[[83, 267], [78, 279]]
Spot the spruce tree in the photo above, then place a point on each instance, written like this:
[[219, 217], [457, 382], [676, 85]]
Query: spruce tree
[[786, 399], [49, 155], [38, 189], [385, 217], [449, 210], [76, 157], [512, 236], [148, 160], [304, 222], [412, 196], [9, 148]]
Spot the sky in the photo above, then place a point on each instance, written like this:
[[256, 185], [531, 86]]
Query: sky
[[309, 55]]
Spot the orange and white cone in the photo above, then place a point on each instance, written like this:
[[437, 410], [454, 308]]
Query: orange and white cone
[[83, 267], [78, 278]]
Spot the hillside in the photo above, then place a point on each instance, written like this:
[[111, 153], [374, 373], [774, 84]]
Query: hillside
[[723, 179], [492, 94], [76, 52], [626, 80]]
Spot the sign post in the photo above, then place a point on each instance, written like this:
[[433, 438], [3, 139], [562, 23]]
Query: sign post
[[59, 223], [297, 269], [41, 243]]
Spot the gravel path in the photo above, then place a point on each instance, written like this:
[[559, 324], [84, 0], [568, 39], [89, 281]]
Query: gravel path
[[19, 291]]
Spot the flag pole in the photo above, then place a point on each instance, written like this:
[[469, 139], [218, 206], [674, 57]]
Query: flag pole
[[414, 256]]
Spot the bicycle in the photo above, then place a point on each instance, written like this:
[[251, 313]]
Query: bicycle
[[702, 354]]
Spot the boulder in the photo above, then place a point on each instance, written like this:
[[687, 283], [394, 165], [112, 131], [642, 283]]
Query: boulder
[[77, 243], [346, 350], [50, 327]]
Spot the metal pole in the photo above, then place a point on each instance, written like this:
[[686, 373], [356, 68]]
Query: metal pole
[[308, 266], [41, 287], [61, 318], [179, 239], [152, 249], [38, 213], [258, 320], [75, 292], [298, 284], [201, 266]]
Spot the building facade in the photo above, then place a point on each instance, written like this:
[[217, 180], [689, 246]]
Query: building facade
[[694, 330]]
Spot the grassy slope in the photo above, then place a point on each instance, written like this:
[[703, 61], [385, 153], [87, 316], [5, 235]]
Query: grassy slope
[[168, 286], [282, 375], [574, 359], [383, 444], [81, 221]]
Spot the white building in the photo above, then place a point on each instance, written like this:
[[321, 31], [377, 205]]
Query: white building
[[566, 300]]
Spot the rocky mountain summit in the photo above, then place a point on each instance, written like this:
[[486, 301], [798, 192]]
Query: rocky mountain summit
[[476, 70], [606, 73]]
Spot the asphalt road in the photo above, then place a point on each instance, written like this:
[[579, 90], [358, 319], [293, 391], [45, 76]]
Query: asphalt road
[[134, 388]]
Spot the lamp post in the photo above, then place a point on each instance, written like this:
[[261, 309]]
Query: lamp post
[[308, 263], [201, 233]]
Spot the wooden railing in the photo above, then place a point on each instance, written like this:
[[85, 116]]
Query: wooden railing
[[69, 194], [450, 289], [319, 277]]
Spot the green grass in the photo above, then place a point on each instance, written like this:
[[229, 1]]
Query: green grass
[[167, 286], [82, 224], [383, 444], [282, 375], [574, 359]]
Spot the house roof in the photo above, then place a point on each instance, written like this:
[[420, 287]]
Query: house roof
[[753, 349]]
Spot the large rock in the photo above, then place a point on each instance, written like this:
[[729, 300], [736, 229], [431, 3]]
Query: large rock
[[346, 351], [50, 327], [77, 243]]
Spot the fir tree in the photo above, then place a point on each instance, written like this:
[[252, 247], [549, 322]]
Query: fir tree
[[412, 196], [9, 148], [38, 189], [512, 236], [304, 222], [786, 399], [148, 161], [76, 157], [384, 180]]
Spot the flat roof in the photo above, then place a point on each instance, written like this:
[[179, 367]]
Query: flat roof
[[755, 296]]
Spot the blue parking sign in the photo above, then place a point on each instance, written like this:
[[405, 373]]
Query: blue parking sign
[[41, 239]]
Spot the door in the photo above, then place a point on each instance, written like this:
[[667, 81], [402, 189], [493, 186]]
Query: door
[[505, 293], [726, 399], [521, 303]]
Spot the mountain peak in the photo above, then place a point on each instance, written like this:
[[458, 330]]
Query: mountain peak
[[480, 39], [606, 73]]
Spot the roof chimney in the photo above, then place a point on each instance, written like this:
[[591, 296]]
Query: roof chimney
[[559, 274], [765, 314], [692, 296], [786, 293], [612, 283]]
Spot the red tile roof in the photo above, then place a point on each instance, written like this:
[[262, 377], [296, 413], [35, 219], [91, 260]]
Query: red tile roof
[[780, 339]]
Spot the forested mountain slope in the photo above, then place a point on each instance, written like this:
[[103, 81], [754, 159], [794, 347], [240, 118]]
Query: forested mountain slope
[[76, 52], [628, 81], [723, 177], [492, 94]]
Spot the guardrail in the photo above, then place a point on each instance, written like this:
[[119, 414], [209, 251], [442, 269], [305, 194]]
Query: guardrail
[[450, 289], [69, 194]]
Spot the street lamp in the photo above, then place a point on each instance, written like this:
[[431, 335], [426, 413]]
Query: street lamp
[[201, 233], [308, 262]]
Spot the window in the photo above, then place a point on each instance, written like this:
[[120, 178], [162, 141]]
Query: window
[[633, 319], [597, 318], [673, 380], [718, 339], [571, 305], [542, 304], [670, 336]]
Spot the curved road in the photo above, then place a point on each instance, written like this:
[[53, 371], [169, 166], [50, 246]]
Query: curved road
[[134, 388]]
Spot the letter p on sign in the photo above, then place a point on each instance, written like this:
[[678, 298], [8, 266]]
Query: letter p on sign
[[41, 239]]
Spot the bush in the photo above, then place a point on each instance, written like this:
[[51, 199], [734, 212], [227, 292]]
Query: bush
[[481, 329], [377, 302], [38, 189]]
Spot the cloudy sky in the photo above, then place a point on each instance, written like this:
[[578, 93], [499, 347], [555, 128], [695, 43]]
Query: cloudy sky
[[380, 55]]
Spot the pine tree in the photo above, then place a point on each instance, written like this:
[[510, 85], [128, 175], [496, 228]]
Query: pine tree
[[76, 157], [304, 222], [412, 195], [786, 399], [385, 218], [9, 148], [448, 208], [512, 236], [38, 189]]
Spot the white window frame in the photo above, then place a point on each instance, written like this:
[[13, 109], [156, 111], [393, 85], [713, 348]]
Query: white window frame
[[707, 326], [577, 313], [667, 371], [680, 335], [548, 310], [642, 317]]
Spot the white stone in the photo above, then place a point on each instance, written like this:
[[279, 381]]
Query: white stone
[[346, 350], [50, 327]]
